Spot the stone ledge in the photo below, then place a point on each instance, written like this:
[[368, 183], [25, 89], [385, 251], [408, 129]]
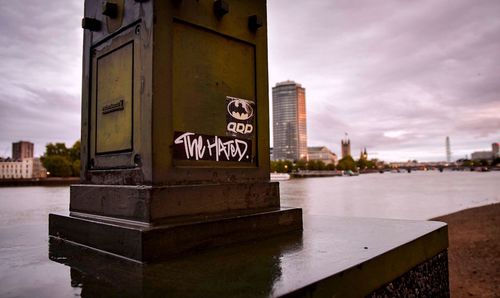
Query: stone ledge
[[334, 256], [145, 243]]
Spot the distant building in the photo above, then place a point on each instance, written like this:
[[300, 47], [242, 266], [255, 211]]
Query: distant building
[[22, 165], [479, 155], [363, 154], [22, 149], [487, 155], [448, 149], [407, 164], [323, 154], [26, 168], [346, 147], [289, 121]]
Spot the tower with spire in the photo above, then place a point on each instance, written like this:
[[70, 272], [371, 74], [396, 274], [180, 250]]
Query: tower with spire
[[346, 146], [363, 154]]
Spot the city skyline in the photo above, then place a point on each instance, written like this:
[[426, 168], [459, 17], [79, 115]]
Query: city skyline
[[398, 76]]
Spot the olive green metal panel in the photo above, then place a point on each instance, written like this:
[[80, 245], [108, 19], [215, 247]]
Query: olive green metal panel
[[116, 126], [207, 67], [201, 59], [122, 143], [114, 117]]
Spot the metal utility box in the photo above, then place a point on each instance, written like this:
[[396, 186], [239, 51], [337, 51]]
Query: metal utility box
[[155, 70], [175, 120]]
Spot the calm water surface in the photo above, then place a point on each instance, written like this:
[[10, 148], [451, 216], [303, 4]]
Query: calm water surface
[[418, 195], [26, 271]]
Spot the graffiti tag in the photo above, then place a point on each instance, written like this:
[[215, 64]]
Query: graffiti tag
[[191, 146]]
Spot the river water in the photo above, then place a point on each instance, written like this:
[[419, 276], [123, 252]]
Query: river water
[[416, 195], [26, 271]]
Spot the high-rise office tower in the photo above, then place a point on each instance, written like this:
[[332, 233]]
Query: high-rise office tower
[[22, 150], [289, 121], [495, 150], [448, 150]]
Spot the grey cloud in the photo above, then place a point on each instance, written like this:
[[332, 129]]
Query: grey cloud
[[418, 67], [40, 77], [370, 68]]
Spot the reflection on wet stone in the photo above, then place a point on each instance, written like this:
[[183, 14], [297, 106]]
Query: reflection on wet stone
[[250, 269]]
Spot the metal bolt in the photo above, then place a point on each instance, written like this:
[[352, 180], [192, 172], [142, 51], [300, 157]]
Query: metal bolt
[[221, 8], [138, 29], [91, 24], [110, 9], [255, 22], [137, 160]]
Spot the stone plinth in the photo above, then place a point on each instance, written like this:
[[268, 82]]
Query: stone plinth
[[333, 256], [148, 243]]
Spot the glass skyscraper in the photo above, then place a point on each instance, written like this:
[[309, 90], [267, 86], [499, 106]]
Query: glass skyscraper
[[289, 121]]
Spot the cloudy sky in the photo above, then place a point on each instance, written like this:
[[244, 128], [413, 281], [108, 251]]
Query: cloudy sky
[[398, 76]]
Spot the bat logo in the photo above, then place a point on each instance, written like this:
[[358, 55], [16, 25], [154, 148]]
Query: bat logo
[[240, 109]]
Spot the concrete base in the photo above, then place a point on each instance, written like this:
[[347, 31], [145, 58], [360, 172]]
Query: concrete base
[[332, 257], [148, 243], [159, 204]]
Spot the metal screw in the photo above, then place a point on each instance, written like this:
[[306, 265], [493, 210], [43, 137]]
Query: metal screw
[[138, 29], [110, 9], [221, 8], [255, 22], [91, 24], [137, 160]]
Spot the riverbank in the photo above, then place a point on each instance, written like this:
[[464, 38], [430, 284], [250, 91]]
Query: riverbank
[[474, 252], [40, 182]]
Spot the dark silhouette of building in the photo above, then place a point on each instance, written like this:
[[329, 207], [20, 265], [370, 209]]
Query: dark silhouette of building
[[346, 146], [22, 149], [363, 154], [486, 155]]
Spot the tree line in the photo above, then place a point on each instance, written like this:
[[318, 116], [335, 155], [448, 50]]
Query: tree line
[[345, 164], [61, 161]]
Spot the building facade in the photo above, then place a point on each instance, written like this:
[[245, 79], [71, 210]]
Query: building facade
[[346, 147], [289, 121], [26, 168], [22, 165], [322, 154], [479, 155], [22, 149], [486, 155], [363, 154]]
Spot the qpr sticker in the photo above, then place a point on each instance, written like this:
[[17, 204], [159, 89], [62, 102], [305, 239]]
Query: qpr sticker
[[240, 117]]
